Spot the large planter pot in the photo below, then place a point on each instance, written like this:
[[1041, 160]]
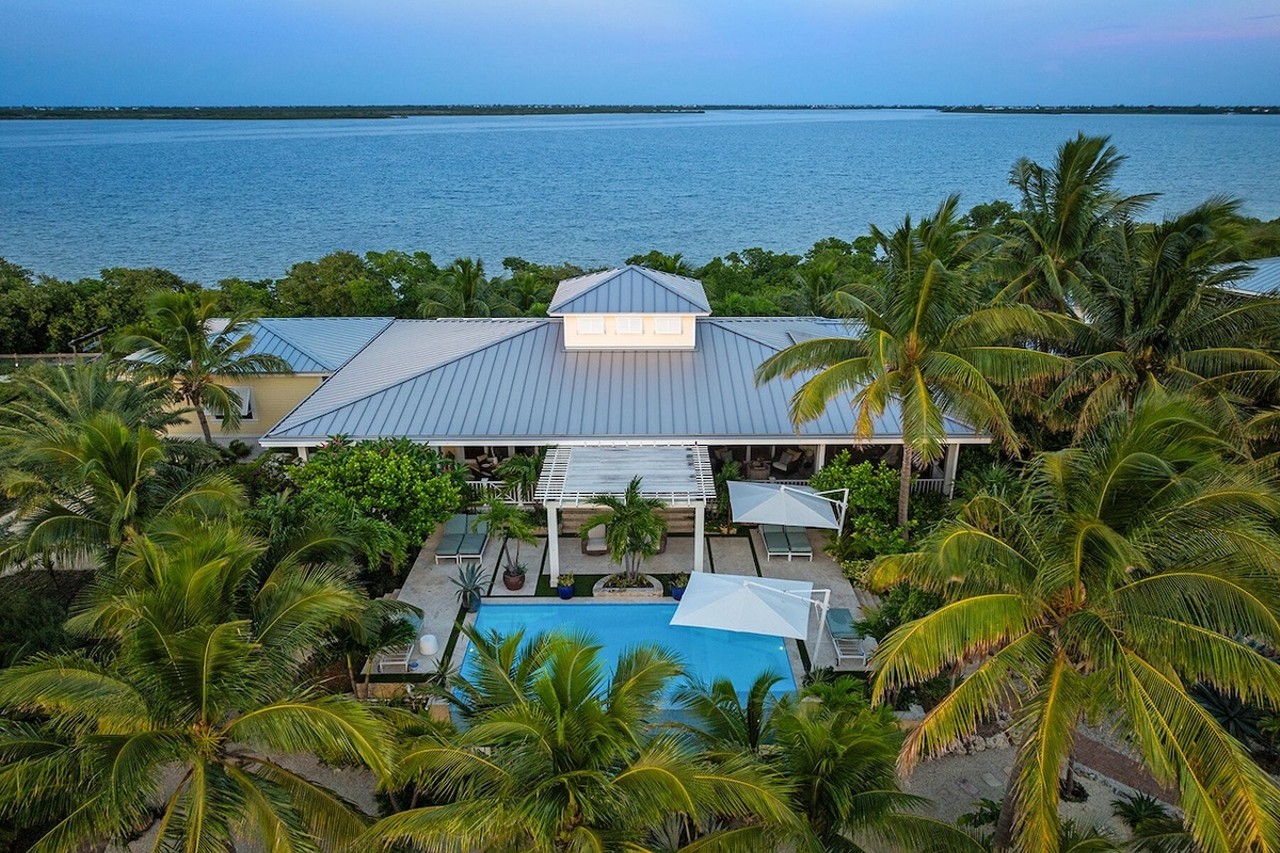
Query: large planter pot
[[565, 592], [473, 604], [513, 582], [677, 592]]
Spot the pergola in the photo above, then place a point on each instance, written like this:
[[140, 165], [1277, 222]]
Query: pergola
[[679, 475]]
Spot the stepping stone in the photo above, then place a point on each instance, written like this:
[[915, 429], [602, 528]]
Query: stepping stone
[[991, 780], [968, 787]]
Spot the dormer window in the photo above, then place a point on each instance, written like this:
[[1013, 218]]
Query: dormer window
[[629, 325], [632, 308], [590, 325], [668, 325]]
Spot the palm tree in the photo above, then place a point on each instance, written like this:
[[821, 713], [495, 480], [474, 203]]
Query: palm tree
[[634, 528], [520, 474], [816, 282], [185, 718], [89, 488], [462, 291], [65, 395], [1058, 237], [921, 338], [179, 343], [569, 761], [837, 755], [1127, 570], [1159, 311], [514, 525]]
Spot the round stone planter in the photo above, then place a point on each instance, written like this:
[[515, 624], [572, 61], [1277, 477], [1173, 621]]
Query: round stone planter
[[654, 590]]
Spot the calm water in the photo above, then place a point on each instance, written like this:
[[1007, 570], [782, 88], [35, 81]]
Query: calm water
[[216, 199], [707, 654]]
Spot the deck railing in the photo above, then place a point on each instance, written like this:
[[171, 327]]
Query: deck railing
[[482, 491], [920, 485]]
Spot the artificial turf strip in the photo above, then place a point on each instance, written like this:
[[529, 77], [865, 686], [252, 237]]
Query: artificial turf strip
[[582, 585]]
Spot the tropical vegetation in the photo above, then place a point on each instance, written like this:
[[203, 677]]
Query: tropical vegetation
[[633, 530]]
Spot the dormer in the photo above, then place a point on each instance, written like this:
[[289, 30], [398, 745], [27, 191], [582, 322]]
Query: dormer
[[630, 308]]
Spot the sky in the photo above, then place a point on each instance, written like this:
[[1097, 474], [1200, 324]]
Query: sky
[[281, 52]]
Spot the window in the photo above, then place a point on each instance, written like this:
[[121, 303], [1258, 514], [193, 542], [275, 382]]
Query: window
[[629, 325], [245, 393], [591, 325], [668, 325]]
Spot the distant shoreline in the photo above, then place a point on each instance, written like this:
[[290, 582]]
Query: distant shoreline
[[261, 113]]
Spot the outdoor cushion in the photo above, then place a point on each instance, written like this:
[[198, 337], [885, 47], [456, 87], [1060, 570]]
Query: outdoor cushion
[[457, 523], [775, 539], [840, 624], [449, 545], [798, 540]]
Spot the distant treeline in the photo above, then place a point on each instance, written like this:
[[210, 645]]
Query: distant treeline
[[376, 111], [40, 314]]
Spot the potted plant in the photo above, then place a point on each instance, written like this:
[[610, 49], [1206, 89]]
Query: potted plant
[[469, 585], [634, 528], [564, 587], [678, 583], [514, 525], [513, 575]]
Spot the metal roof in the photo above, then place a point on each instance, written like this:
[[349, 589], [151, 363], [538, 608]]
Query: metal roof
[[483, 381], [630, 290], [1264, 279], [680, 475], [311, 344]]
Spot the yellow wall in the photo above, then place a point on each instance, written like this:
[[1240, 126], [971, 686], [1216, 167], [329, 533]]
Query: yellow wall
[[612, 339], [273, 398]]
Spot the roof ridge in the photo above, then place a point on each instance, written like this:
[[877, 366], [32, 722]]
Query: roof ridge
[[716, 322], [662, 283], [262, 321], [415, 376]]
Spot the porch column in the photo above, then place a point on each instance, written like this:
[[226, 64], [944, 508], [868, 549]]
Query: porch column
[[304, 453], [699, 533], [553, 543], [819, 458], [949, 469]]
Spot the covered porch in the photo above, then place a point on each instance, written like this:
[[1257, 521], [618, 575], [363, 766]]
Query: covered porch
[[795, 464], [573, 476]]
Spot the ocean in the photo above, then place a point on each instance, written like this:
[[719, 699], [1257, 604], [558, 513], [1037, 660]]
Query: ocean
[[216, 199]]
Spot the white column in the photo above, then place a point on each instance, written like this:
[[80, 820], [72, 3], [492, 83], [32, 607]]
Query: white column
[[553, 544], [949, 468], [304, 453], [819, 458], [699, 534]]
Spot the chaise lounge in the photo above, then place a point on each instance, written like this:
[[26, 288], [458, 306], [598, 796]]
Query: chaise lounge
[[780, 541], [460, 542], [849, 643]]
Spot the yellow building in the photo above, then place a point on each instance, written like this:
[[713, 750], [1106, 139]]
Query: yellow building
[[313, 347]]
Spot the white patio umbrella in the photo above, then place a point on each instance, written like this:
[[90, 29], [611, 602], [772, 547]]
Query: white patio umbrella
[[778, 503], [773, 606]]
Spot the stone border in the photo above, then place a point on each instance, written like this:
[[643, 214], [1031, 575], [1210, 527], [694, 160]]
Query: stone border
[[655, 590]]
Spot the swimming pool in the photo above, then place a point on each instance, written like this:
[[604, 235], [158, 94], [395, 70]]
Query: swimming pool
[[707, 653]]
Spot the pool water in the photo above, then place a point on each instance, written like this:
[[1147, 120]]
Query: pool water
[[706, 653]]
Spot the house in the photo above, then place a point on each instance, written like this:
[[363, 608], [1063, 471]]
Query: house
[[625, 357], [313, 347], [1263, 279]]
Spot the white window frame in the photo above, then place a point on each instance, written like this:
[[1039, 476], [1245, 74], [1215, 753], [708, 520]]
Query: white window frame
[[628, 325], [668, 325], [590, 325], [245, 393]]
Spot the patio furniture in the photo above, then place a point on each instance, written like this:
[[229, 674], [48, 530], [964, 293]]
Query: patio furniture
[[594, 544], [798, 542], [398, 657], [455, 530], [786, 463], [845, 638], [775, 541], [758, 471], [473, 541]]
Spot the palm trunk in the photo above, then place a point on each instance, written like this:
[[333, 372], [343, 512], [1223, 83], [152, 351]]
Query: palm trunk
[[1003, 837], [904, 491], [204, 422]]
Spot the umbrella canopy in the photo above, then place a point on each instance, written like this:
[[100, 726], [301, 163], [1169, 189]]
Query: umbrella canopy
[[774, 503], [772, 606]]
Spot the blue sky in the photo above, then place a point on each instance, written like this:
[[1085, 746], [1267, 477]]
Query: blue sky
[[110, 52]]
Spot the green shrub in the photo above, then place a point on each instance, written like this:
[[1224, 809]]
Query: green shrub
[[873, 488], [899, 605], [410, 486]]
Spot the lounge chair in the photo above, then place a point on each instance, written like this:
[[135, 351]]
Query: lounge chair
[[798, 542], [846, 639], [473, 541], [594, 544], [398, 657], [455, 531], [786, 463], [775, 541]]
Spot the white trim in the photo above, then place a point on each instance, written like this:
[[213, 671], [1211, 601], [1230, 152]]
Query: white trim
[[628, 324], [673, 323], [589, 324]]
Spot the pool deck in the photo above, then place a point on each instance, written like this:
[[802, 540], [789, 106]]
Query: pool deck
[[428, 585]]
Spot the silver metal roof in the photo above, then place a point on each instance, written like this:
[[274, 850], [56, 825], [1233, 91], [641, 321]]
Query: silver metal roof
[[1264, 279], [680, 475], [311, 344], [630, 290], [486, 381]]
